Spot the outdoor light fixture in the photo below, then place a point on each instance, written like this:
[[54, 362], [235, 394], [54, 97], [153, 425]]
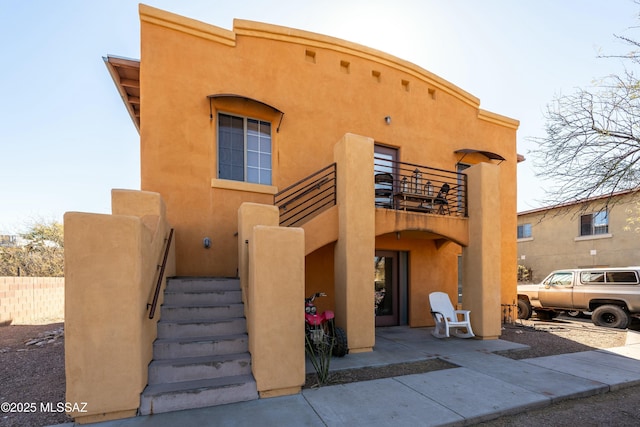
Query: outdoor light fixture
[[387, 120]]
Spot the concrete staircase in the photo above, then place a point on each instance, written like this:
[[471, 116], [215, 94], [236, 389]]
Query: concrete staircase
[[200, 357]]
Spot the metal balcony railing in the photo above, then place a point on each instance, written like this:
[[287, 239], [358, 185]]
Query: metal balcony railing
[[398, 185], [419, 188]]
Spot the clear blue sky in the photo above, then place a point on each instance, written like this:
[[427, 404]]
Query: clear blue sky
[[66, 139]]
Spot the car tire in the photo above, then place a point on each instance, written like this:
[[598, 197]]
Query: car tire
[[524, 309], [547, 314], [610, 316]]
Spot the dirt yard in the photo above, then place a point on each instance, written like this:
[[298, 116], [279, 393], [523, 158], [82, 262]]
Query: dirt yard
[[32, 374]]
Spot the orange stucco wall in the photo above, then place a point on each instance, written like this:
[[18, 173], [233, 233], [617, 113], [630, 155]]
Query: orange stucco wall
[[277, 358], [110, 276], [431, 269], [326, 88]]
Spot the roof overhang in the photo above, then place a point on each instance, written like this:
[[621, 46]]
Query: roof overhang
[[490, 155], [125, 73]]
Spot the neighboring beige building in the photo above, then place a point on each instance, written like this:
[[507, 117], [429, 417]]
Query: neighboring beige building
[[596, 232]]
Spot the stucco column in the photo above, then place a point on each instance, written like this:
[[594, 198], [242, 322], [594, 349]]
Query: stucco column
[[481, 260], [276, 298], [250, 215], [355, 248]]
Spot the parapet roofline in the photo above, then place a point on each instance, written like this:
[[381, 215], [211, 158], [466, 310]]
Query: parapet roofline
[[579, 202], [292, 35]]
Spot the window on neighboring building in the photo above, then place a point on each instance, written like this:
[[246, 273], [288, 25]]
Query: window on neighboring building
[[596, 223], [244, 149], [524, 231]]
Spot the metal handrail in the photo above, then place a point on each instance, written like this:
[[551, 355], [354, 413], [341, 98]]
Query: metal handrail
[[308, 197], [162, 266]]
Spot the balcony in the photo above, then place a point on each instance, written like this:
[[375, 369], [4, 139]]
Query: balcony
[[418, 188], [398, 185]]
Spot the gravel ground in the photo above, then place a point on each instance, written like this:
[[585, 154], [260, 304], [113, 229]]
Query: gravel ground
[[32, 373]]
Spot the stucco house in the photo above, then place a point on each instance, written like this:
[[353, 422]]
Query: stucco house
[[295, 163], [597, 232]]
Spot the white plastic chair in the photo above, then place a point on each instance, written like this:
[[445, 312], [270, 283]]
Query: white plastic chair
[[449, 321]]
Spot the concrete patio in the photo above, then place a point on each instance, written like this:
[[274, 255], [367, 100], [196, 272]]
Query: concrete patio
[[483, 387]]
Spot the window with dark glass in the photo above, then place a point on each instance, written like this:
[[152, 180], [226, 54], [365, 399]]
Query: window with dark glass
[[628, 277], [244, 149], [524, 231], [623, 277], [595, 223]]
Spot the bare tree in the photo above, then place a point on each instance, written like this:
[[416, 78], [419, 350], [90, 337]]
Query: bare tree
[[592, 146]]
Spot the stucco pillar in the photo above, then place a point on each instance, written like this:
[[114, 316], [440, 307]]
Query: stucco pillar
[[276, 300], [355, 248], [481, 260], [250, 215]]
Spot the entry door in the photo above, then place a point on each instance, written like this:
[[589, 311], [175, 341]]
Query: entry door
[[386, 288], [385, 166]]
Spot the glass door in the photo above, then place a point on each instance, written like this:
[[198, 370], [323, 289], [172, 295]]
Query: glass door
[[385, 172], [386, 288]]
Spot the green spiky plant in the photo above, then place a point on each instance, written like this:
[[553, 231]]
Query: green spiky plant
[[320, 357]]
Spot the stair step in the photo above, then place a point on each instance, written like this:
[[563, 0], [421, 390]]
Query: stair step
[[194, 368], [222, 296], [200, 356], [170, 348], [201, 312], [201, 328], [181, 284], [197, 394]]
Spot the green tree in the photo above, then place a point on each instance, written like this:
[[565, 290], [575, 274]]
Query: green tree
[[41, 256], [42, 234]]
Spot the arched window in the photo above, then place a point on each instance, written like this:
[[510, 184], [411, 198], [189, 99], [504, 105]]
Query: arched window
[[244, 137]]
